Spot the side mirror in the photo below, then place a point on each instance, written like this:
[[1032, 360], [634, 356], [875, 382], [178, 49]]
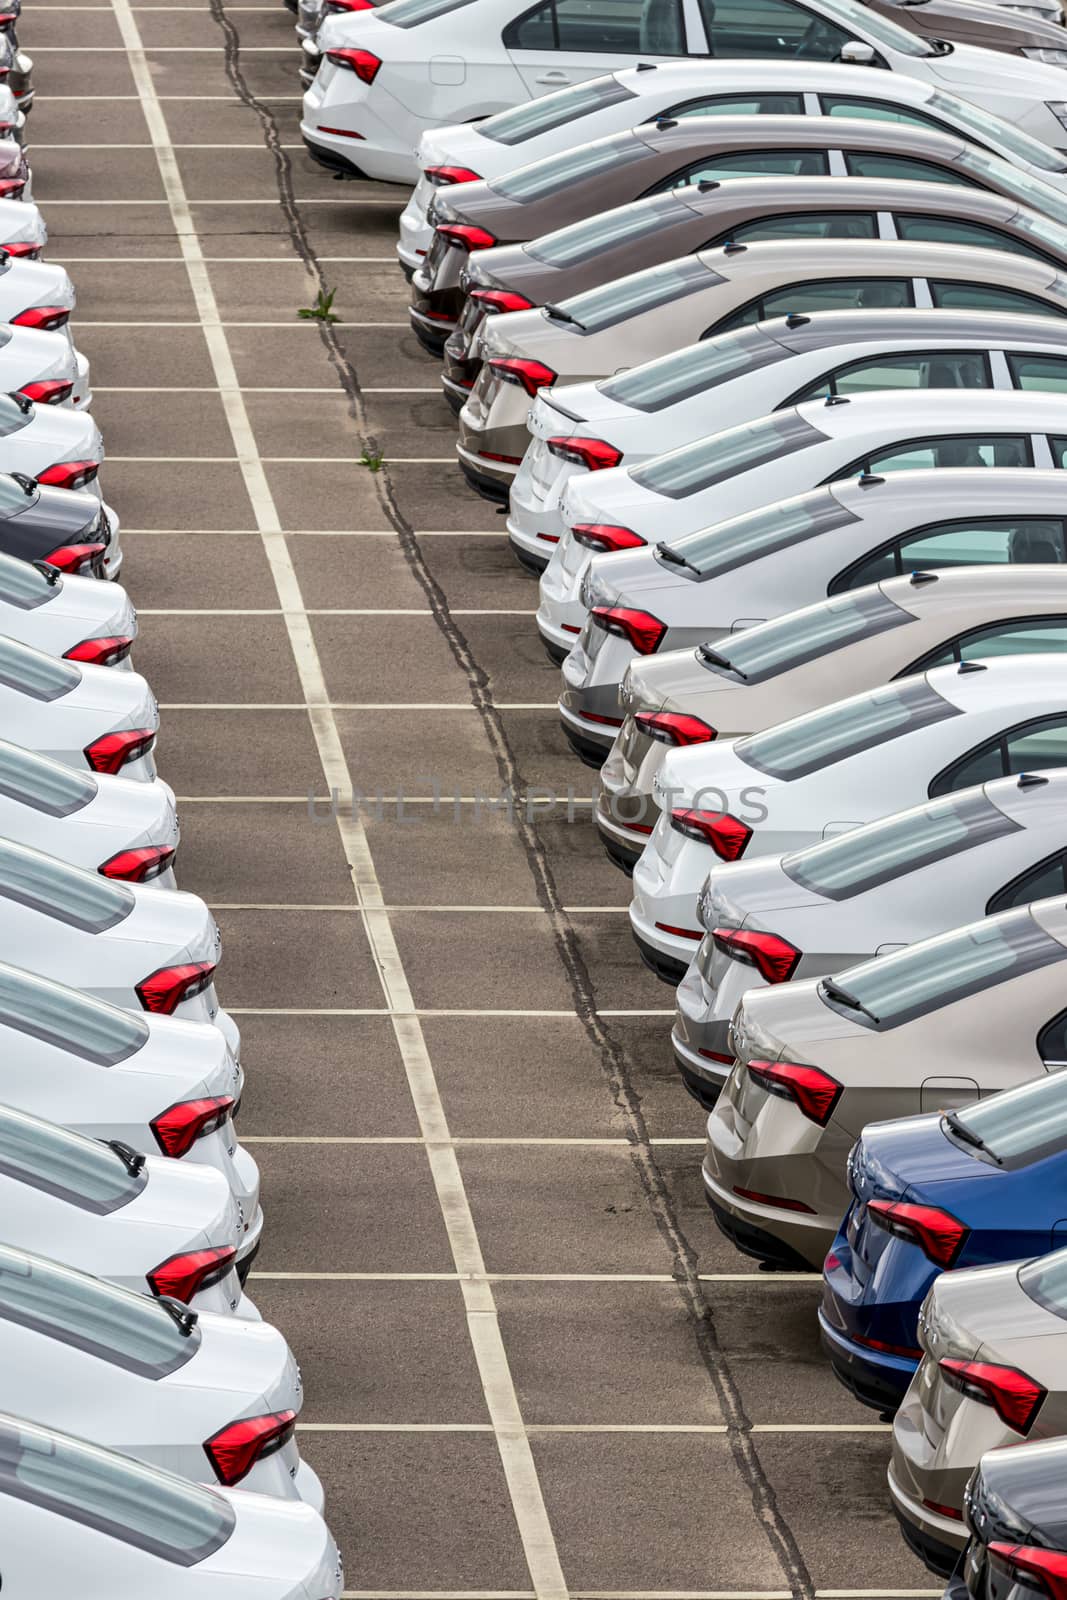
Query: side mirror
[[857, 54]]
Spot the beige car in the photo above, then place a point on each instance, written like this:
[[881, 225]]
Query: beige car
[[762, 675], [991, 1336], [929, 1027]]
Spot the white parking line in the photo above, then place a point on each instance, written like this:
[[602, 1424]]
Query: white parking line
[[719, 1428], [376, 799], [534, 1277], [326, 905], [248, 388], [423, 1011], [281, 461], [306, 200], [467, 1139], [319, 533], [348, 705], [332, 611], [501, 1400]]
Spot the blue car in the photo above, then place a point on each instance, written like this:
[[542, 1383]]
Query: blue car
[[967, 1188]]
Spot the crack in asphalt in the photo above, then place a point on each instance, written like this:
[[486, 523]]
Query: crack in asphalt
[[617, 1066]]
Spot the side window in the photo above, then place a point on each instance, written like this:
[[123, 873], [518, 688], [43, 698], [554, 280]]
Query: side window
[[872, 164], [966, 370], [960, 544], [535, 31], [944, 230], [987, 297], [764, 28], [959, 450], [741, 105], [807, 225], [1046, 373], [1027, 749], [846, 105], [1052, 1040], [1058, 446], [1032, 636], [629, 27], [1049, 877], [825, 294], [753, 164]]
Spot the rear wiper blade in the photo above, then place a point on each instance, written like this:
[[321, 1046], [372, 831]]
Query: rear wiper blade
[[714, 659], [834, 991], [131, 1159], [558, 314], [665, 553], [179, 1313], [961, 1130]]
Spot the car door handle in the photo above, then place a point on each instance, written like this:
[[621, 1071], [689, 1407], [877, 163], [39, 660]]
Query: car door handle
[[553, 77]]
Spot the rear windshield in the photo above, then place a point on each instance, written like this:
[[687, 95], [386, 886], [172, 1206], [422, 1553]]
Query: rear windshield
[[861, 860], [81, 899], [772, 648], [551, 111], [81, 1171], [1045, 1280], [45, 785], [25, 586], [607, 230], [711, 460], [134, 1331], [84, 1027], [614, 302], [13, 497], [1022, 186], [14, 415], [994, 132], [116, 1496], [726, 545], [409, 13], [821, 738], [543, 178], [32, 673], [1020, 1124], [926, 977], [685, 373]]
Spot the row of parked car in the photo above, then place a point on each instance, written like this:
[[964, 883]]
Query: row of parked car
[[756, 327], [147, 1412]]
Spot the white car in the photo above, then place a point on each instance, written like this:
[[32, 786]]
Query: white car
[[834, 769], [737, 377], [59, 447], [208, 1396], [169, 1227], [62, 615], [611, 104], [39, 295], [116, 826], [22, 227], [87, 716], [147, 1079], [43, 367], [670, 501], [79, 1520], [907, 877], [134, 946], [12, 120], [389, 75]]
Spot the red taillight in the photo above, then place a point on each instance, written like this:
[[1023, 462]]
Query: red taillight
[[775, 959], [342, 133], [681, 933], [762, 1199], [78, 558], [941, 1510], [112, 751], [164, 990], [1015, 1398], [446, 175], [726, 835], [27, 250], [529, 375], [69, 474], [234, 1451], [813, 1092], [466, 236], [595, 454], [1031, 1568], [717, 1055], [337, 6], [885, 1349], [495, 455], [674, 728], [644, 631], [184, 1275], [179, 1127], [501, 300], [11, 188], [605, 538], [103, 652], [47, 318], [49, 392], [362, 62], [140, 865], [939, 1235]]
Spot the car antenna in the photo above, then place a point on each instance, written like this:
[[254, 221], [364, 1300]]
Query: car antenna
[[868, 480], [732, 249], [837, 400], [923, 577], [1031, 780], [795, 320], [663, 123], [645, 66], [706, 185], [971, 666]]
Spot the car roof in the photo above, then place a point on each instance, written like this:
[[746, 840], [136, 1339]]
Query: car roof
[[891, 256], [800, 131], [1016, 683], [1024, 584], [813, 330], [708, 76], [1027, 803], [998, 491], [887, 194], [1006, 409]]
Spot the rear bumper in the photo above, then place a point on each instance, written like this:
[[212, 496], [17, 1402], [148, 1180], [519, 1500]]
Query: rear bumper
[[590, 741], [937, 1541], [482, 482], [875, 1379], [666, 968], [745, 1232], [704, 1080], [331, 159]]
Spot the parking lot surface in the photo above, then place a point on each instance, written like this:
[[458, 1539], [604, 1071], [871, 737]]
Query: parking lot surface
[[532, 1365]]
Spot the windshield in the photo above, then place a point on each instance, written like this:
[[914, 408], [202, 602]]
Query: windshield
[[685, 373], [409, 13], [46, 785], [925, 977], [25, 586], [85, 900], [113, 1494], [996, 132], [726, 545], [1022, 186], [607, 230], [32, 673], [878, 27], [602, 308], [866, 857], [84, 1027], [771, 648], [1020, 1123], [129, 1330], [81, 1171], [708, 461], [551, 110], [543, 178], [821, 738]]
